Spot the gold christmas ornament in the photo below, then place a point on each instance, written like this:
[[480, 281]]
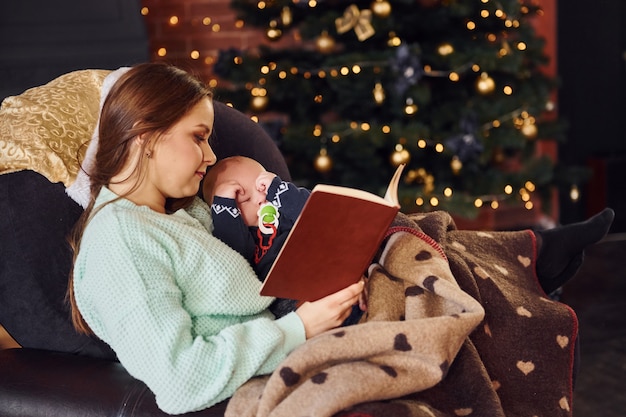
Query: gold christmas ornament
[[322, 162], [259, 103], [529, 129], [485, 84], [381, 8], [400, 156], [379, 93], [325, 43]]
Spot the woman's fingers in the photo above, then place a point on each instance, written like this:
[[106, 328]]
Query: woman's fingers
[[330, 311]]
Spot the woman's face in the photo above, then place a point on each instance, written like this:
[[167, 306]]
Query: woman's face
[[181, 156]]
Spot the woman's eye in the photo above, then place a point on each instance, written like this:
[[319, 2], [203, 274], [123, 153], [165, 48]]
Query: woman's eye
[[200, 138]]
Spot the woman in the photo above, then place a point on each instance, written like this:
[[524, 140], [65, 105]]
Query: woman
[[181, 309]]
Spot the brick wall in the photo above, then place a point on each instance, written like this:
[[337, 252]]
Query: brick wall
[[201, 28]]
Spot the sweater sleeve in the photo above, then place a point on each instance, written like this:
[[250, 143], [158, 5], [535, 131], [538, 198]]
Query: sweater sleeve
[[288, 198], [128, 293], [230, 228]]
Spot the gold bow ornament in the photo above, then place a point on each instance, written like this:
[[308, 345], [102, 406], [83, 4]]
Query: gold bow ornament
[[359, 20]]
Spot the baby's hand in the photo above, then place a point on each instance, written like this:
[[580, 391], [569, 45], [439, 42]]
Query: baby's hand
[[228, 189], [264, 180]]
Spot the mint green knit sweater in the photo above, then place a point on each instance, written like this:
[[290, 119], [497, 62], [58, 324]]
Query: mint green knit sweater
[[179, 307]]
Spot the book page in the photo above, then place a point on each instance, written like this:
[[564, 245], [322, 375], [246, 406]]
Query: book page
[[352, 192], [392, 190]]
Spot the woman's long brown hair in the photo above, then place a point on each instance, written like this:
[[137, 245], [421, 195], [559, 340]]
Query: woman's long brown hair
[[147, 100]]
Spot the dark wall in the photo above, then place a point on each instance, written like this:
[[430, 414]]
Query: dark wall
[[42, 39], [592, 98]]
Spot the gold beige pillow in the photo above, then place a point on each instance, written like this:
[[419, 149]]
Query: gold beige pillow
[[46, 128]]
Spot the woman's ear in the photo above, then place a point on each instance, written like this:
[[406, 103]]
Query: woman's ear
[[143, 142], [142, 138]]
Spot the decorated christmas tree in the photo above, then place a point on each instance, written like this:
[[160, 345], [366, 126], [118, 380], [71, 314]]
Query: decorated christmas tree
[[452, 88]]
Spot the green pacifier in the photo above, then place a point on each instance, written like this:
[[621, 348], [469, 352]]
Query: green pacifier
[[268, 215]]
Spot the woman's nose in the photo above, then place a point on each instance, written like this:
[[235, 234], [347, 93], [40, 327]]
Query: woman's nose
[[208, 155]]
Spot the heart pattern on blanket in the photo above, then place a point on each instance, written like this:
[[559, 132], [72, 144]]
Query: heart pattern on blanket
[[501, 269], [564, 404], [290, 378], [401, 343], [423, 255], [319, 378], [563, 341], [524, 260], [481, 272], [521, 311], [463, 412], [525, 367], [457, 245]]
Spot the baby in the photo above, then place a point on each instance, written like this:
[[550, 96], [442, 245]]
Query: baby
[[253, 211]]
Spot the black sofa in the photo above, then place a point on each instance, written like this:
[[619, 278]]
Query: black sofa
[[58, 372]]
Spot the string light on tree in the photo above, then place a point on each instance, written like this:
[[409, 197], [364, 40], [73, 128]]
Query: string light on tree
[[456, 165], [410, 107], [445, 49], [379, 93], [273, 32], [286, 16], [259, 99], [394, 40], [400, 155], [529, 128], [574, 193]]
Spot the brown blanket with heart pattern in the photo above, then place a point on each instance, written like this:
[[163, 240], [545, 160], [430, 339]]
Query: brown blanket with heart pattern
[[457, 325]]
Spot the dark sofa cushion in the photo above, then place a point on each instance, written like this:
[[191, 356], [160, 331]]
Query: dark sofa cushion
[[35, 218], [235, 134]]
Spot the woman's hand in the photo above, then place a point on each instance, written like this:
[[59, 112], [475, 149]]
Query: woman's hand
[[363, 296], [329, 312]]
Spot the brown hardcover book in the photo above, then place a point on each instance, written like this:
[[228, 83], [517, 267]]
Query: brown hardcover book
[[332, 242]]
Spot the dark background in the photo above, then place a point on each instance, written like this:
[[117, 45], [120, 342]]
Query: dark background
[[42, 39], [592, 98]]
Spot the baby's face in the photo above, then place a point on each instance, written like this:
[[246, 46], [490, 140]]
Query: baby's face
[[250, 197]]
